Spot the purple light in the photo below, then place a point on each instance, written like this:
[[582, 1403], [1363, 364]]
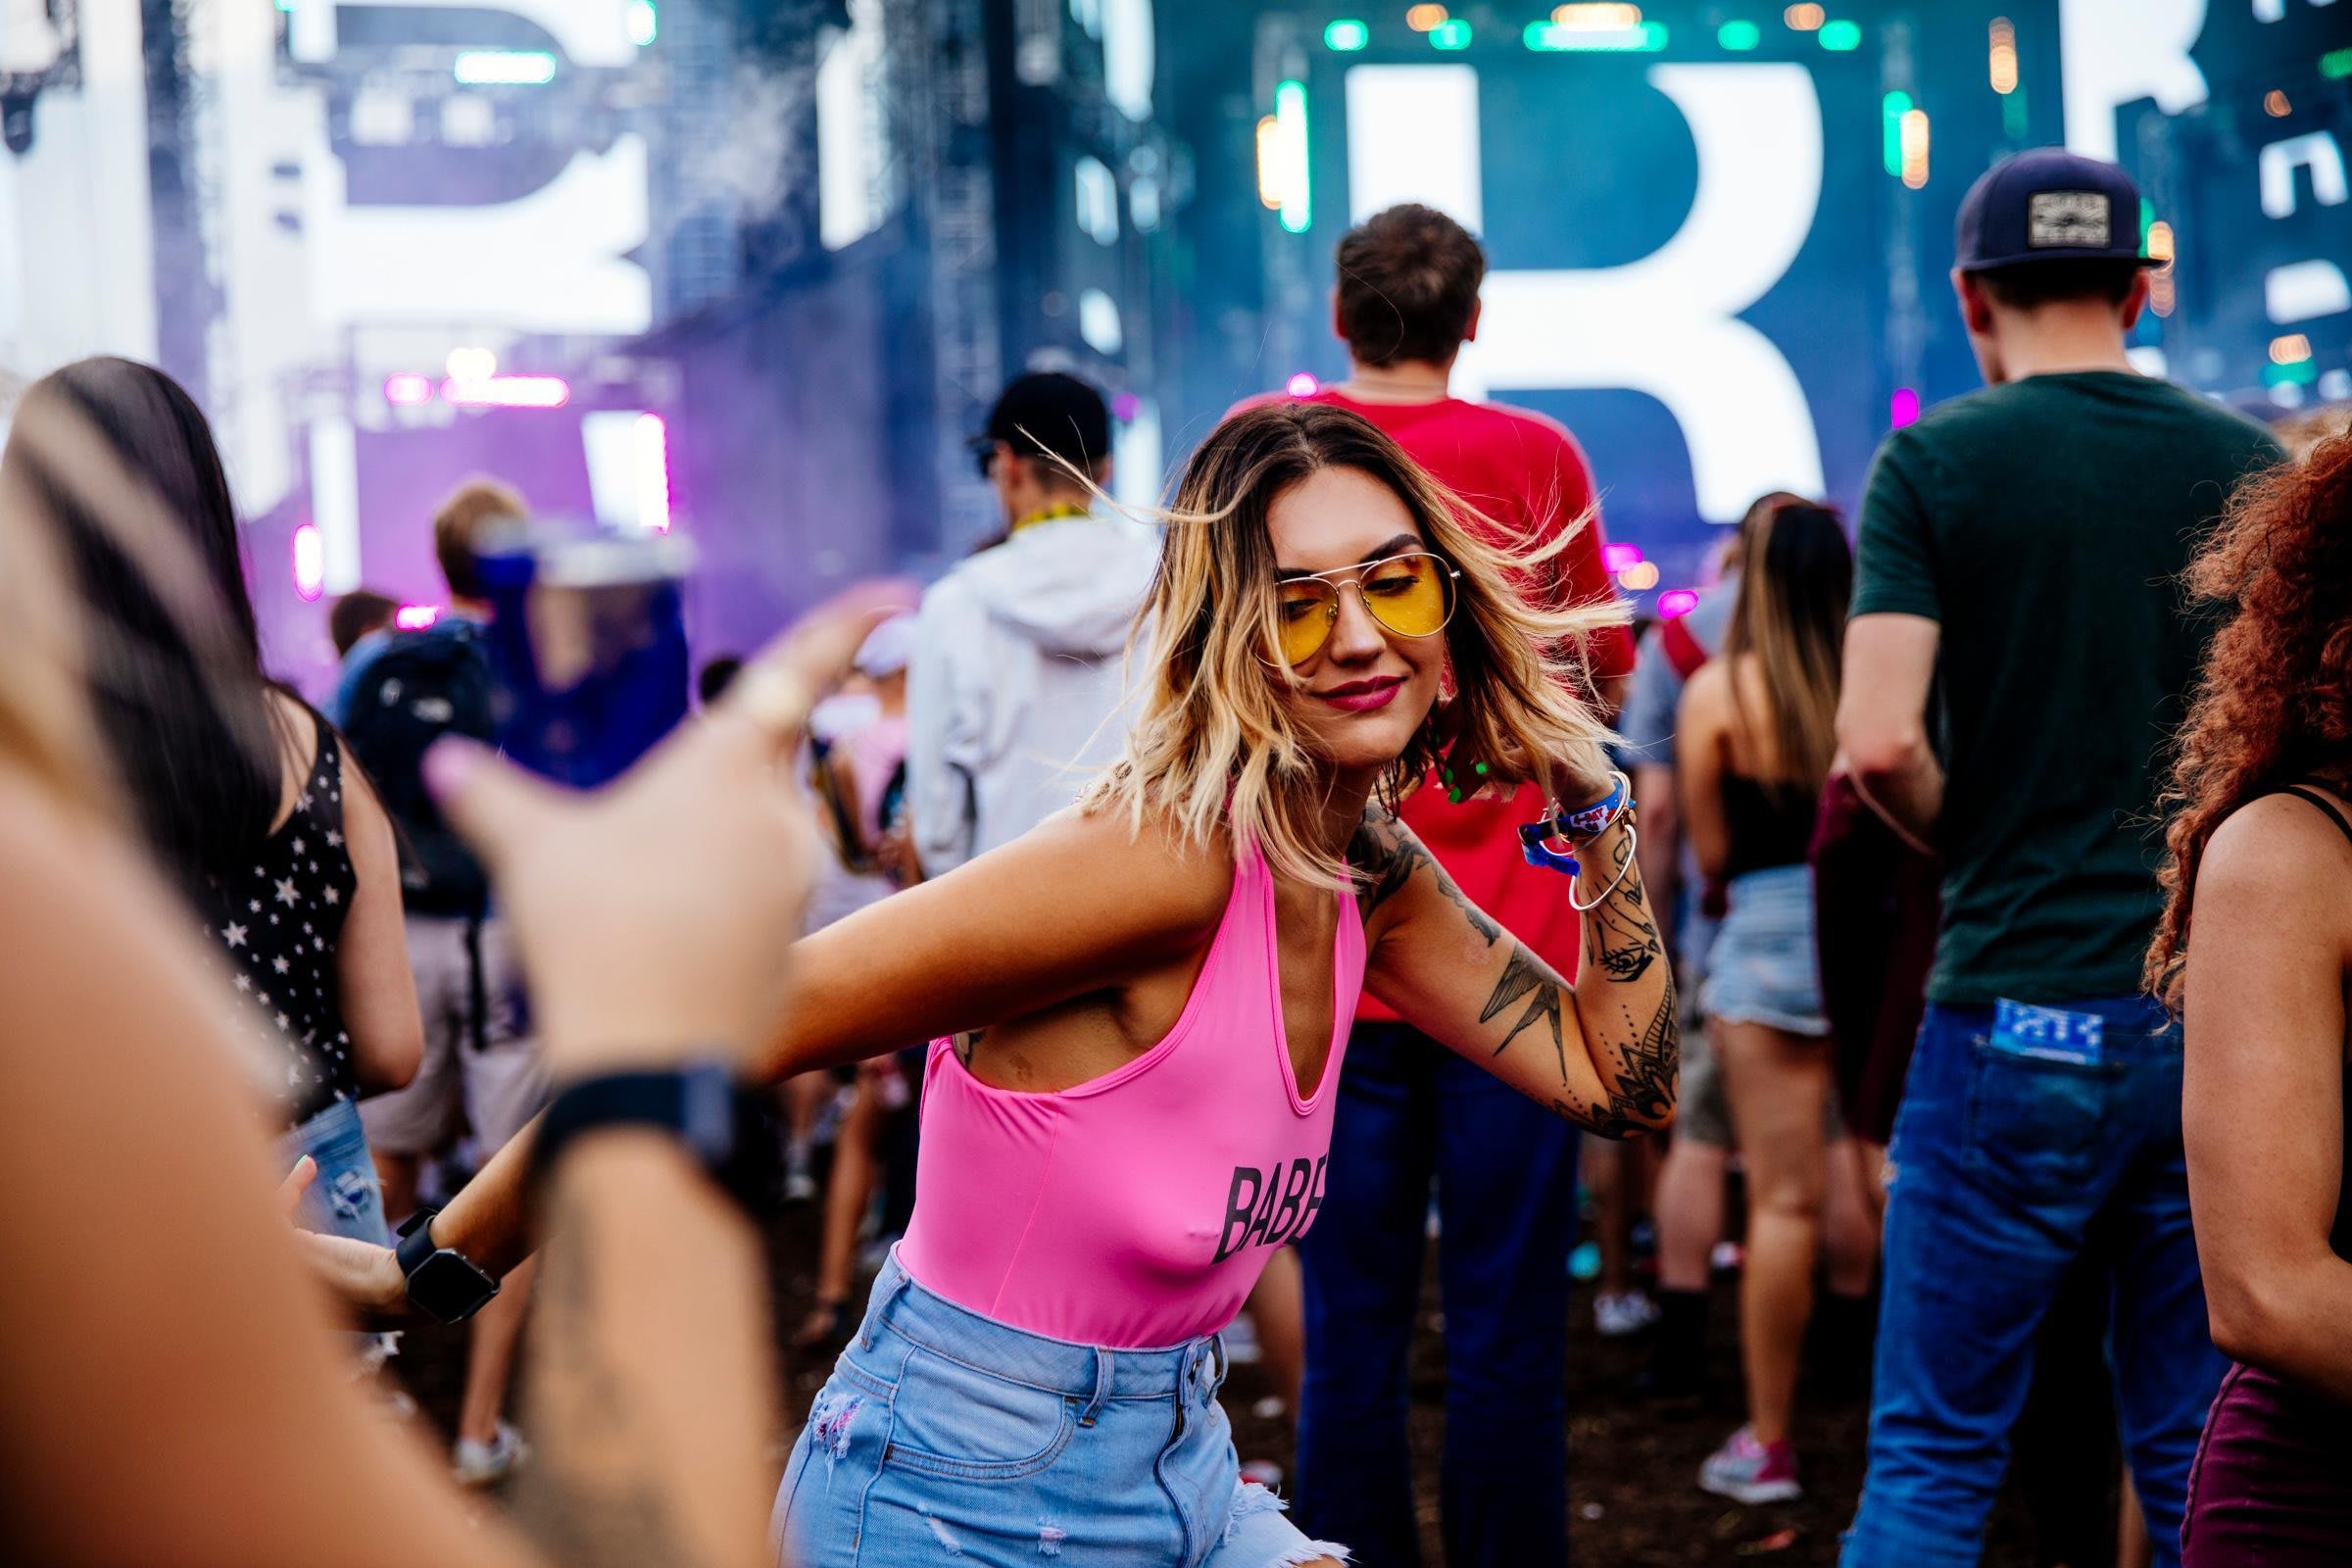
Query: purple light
[[1304, 385], [310, 562], [1903, 407], [1617, 556], [651, 439], [507, 392], [406, 390], [1125, 406], [1677, 602], [416, 617]]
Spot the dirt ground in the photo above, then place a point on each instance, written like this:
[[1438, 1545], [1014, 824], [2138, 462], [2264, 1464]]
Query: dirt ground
[[1632, 1499]]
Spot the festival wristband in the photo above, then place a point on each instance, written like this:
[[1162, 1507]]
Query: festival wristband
[[1581, 825]]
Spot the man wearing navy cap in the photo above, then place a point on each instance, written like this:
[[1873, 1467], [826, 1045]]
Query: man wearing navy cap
[[2021, 549]]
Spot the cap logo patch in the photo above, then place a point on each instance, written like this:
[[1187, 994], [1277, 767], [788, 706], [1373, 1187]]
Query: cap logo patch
[[2069, 220]]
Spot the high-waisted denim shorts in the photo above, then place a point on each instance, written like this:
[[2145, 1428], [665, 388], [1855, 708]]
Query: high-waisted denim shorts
[[1763, 967], [944, 1436]]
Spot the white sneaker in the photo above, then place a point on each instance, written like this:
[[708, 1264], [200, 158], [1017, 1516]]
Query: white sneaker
[[481, 1464], [1617, 1316]]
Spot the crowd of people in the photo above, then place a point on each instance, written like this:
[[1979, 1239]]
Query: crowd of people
[[1167, 925]]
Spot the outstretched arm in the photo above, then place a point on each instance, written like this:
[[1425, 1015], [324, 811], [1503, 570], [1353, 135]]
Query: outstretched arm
[[1604, 1053]]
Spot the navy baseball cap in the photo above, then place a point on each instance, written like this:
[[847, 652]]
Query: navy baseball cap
[[2048, 205], [1046, 411]]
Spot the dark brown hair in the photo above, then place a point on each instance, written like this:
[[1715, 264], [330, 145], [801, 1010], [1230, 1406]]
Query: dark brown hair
[[356, 614], [2030, 285], [2273, 702], [1408, 282], [458, 527]]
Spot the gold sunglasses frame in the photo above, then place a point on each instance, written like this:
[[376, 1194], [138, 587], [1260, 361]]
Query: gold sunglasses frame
[[1341, 578]]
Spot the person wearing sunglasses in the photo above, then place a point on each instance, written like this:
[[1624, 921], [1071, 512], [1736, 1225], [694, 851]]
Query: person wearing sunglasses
[[1140, 1010], [1416, 1123]]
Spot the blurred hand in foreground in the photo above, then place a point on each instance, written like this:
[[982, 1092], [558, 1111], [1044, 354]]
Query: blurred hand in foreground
[[654, 915]]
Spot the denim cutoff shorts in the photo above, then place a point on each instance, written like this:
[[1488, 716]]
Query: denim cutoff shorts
[[944, 1436], [344, 1198], [1763, 967]]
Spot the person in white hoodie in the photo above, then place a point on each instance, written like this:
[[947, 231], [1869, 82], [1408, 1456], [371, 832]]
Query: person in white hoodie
[[1017, 679]]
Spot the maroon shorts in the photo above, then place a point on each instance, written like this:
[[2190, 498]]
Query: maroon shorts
[[2272, 1483]]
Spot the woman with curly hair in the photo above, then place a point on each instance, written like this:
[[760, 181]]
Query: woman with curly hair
[[2260, 877]]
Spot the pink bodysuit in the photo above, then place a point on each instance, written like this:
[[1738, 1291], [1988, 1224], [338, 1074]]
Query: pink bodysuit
[[1136, 1211]]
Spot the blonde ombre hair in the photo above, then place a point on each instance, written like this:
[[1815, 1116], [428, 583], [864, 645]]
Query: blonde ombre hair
[[1796, 576], [1215, 749]]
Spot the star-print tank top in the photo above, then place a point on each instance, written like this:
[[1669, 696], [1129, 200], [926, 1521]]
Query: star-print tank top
[[279, 922]]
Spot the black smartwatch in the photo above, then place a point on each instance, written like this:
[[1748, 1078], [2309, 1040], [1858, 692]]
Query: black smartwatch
[[444, 1285], [697, 1104]]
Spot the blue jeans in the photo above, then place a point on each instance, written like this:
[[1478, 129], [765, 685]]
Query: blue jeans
[[344, 1198], [944, 1436], [2005, 1154], [1505, 1169]]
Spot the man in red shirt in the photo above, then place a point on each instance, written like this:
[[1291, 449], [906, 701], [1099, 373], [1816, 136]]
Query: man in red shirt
[[1409, 1110]]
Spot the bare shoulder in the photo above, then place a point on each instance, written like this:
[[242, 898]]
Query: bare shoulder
[[1706, 695], [2282, 851]]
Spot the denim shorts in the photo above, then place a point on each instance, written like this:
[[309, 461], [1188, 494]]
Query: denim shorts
[[944, 1436], [344, 1198], [1763, 967]]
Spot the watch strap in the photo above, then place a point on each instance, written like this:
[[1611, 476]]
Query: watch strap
[[697, 1104], [416, 1242]]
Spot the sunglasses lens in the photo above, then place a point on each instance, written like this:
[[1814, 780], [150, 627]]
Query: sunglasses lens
[[1409, 595], [1304, 613]]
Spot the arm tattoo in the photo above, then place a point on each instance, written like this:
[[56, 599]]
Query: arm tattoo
[[589, 1499], [1650, 1065], [1529, 976], [1385, 857], [1620, 937]]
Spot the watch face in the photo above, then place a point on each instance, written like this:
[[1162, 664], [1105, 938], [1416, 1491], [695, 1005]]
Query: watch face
[[450, 1289]]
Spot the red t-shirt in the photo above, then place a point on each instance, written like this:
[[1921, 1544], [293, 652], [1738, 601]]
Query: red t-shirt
[[1527, 474]]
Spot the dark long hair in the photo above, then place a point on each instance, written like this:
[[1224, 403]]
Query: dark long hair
[[1796, 574], [123, 462]]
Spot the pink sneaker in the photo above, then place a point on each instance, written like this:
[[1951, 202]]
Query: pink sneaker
[[1752, 1472]]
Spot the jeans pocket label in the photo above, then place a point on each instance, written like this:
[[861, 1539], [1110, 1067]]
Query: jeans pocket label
[[2048, 1034]]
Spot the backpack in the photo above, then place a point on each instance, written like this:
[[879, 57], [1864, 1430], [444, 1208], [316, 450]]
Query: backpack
[[420, 686]]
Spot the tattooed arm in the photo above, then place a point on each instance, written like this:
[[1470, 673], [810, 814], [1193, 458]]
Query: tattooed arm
[[1604, 1053], [650, 1371]]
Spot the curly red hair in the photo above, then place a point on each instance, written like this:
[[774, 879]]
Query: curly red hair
[[2273, 702]]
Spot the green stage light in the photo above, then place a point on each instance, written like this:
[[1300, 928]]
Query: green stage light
[[1738, 36], [1892, 109], [1450, 35], [1840, 36], [1347, 35]]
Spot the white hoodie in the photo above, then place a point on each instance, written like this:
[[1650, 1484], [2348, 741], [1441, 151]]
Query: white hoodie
[[1014, 691]]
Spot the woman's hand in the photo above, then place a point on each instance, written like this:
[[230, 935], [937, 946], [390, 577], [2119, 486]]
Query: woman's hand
[[654, 915]]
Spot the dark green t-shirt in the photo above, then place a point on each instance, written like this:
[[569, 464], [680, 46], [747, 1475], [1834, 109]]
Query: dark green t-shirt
[[2044, 525]]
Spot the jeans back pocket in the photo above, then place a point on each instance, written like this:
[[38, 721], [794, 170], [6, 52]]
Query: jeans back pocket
[[2039, 1125]]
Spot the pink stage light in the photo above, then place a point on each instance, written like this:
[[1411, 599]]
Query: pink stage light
[[310, 562], [406, 390], [652, 471], [1677, 602], [1304, 385], [1125, 406], [1617, 556], [1903, 407], [416, 617], [507, 392]]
